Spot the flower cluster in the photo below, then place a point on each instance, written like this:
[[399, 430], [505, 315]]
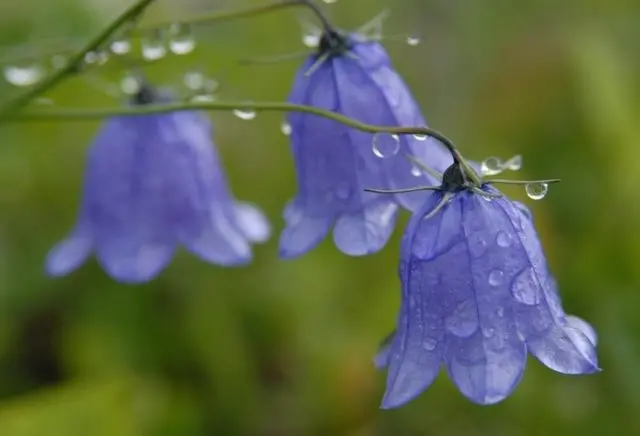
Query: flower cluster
[[477, 293]]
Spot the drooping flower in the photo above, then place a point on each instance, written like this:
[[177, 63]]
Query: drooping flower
[[153, 182], [335, 163], [476, 296]]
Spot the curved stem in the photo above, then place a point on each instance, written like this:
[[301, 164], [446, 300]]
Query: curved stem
[[130, 14], [92, 114]]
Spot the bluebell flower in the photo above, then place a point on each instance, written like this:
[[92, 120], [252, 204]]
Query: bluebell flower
[[335, 163], [477, 294], [153, 182]]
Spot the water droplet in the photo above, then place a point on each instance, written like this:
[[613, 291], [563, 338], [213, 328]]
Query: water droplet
[[90, 58], [524, 209], [194, 80], [420, 137], [23, 76], [536, 191], [120, 46], [503, 239], [514, 164], [491, 166], [285, 128], [245, 114], [525, 288], [130, 84], [385, 145], [58, 61], [153, 46], [464, 320], [500, 312], [488, 332], [413, 40], [311, 39], [416, 171], [203, 98], [181, 39], [429, 344], [495, 277]]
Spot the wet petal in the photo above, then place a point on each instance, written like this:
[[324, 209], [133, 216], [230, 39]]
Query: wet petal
[[366, 232], [69, 254], [583, 326], [302, 233], [216, 238], [129, 260], [566, 350]]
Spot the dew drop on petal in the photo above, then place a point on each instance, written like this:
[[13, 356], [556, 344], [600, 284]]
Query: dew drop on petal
[[463, 322], [536, 191], [488, 332], [181, 39], [503, 239], [23, 76], [285, 128], [525, 287], [416, 171], [500, 312], [245, 114], [514, 164], [495, 277], [413, 40], [385, 145], [429, 344], [491, 166]]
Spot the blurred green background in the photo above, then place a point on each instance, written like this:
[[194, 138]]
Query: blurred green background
[[284, 348]]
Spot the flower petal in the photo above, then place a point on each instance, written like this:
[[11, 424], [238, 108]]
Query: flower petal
[[252, 222], [485, 356], [131, 260], [302, 233], [566, 350], [366, 232], [583, 326], [68, 254]]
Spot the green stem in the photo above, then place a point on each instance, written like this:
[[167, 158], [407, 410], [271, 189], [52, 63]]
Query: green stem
[[92, 114], [130, 14], [520, 182]]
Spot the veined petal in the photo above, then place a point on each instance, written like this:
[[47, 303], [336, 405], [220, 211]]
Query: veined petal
[[485, 355], [366, 232], [416, 350], [566, 350]]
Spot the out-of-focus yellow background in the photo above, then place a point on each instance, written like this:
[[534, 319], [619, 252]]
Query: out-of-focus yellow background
[[284, 348]]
